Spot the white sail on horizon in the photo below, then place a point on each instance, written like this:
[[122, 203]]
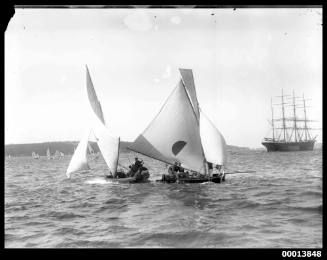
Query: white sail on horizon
[[48, 153], [174, 134]]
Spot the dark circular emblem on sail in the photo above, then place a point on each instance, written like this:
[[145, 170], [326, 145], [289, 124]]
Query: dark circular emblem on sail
[[177, 147]]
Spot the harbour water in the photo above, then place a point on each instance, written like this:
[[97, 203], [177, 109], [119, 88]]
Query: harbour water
[[278, 206]]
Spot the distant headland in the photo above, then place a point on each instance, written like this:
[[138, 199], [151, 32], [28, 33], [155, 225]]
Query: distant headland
[[67, 147]]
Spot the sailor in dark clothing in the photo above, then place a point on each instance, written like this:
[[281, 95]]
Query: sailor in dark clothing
[[181, 173], [138, 163], [181, 169], [175, 168], [210, 168], [134, 168]]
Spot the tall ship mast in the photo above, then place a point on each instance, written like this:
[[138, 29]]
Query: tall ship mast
[[290, 133]]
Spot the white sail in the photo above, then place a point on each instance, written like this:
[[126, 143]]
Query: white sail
[[174, 133], [213, 142], [79, 160], [93, 99], [108, 144], [188, 80], [91, 151], [48, 153]]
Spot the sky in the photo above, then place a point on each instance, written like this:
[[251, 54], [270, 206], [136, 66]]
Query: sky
[[240, 60]]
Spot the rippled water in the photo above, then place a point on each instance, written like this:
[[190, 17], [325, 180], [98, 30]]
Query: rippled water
[[280, 205]]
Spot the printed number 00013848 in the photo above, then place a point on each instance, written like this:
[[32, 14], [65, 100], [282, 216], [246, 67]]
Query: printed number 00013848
[[303, 253]]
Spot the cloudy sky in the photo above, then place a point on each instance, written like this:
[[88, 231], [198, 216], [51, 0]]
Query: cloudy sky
[[240, 59]]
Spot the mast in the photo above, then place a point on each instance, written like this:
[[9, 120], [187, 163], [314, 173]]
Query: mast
[[305, 120], [284, 130], [294, 113], [272, 120]]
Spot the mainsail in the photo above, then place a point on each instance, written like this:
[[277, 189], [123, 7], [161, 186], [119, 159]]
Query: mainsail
[[95, 103], [181, 132], [79, 160], [213, 142], [188, 80], [174, 134], [108, 144]]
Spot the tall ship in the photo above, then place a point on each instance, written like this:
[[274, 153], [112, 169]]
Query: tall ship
[[290, 133]]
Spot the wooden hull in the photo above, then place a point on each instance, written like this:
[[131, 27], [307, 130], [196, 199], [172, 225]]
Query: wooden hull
[[140, 178], [166, 179], [126, 180], [288, 146]]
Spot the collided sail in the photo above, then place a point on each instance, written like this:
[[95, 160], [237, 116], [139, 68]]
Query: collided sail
[[108, 144], [79, 159], [174, 134]]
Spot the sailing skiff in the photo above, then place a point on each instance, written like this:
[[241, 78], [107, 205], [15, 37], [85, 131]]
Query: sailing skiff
[[108, 143], [189, 138]]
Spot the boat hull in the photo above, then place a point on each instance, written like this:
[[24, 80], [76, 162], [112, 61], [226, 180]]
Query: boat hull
[[126, 180], [217, 179], [288, 146], [140, 177]]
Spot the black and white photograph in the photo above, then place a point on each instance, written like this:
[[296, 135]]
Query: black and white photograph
[[186, 127]]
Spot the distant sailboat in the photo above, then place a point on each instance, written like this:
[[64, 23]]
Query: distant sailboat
[[189, 136], [49, 154], [35, 155], [57, 154], [92, 154], [62, 154]]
